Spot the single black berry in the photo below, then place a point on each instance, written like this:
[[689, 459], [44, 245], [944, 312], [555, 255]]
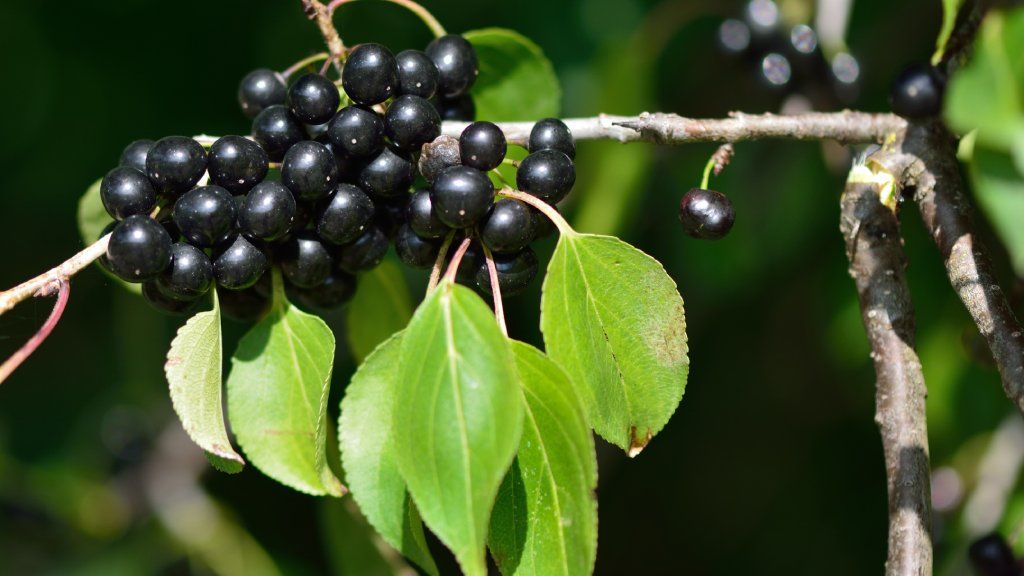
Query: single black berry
[[411, 122], [515, 272], [370, 75], [247, 305], [125, 191], [461, 108], [917, 92], [417, 74], [346, 215], [991, 556], [205, 216], [389, 174], [706, 214], [462, 196], [139, 249], [134, 154], [175, 163], [305, 261], [277, 130], [261, 89], [157, 298], [331, 294], [423, 218], [415, 250], [508, 227], [357, 131], [313, 99], [237, 164], [239, 265], [482, 146], [189, 275], [456, 64], [365, 253], [552, 134], [309, 170], [268, 211], [547, 174]]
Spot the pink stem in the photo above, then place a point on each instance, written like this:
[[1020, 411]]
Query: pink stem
[[63, 291], [453, 266], [499, 308]]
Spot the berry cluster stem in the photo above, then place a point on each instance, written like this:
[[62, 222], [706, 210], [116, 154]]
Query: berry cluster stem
[[453, 266], [422, 13], [492, 272], [442, 254], [287, 73], [544, 207], [63, 288], [316, 10], [62, 273]]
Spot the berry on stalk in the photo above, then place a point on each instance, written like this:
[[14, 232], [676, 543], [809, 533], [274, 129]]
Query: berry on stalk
[[417, 74], [268, 211], [239, 265], [508, 227], [357, 131], [917, 92], [706, 214], [259, 90], [125, 192], [175, 164], [134, 154], [346, 215], [461, 196], [411, 122], [370, 75], [277, 130], [552, 134], [309, 170], [482, 145], [139, 249], [189, 275], [515, 272], [313, 99], [456, 64], [205, 216], [237, 164], [547, 174]]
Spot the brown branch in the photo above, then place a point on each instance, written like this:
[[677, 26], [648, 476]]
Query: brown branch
[[10, 298], [877, 265], [318, 11]]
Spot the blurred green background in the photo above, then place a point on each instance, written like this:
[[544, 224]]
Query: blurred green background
[[772, 465]]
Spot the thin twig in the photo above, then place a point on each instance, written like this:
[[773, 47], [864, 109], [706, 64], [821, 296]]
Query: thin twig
[[303, 63], [422, 13], [316, 10], [435, 274], [63, 288], [10, 298], [453, 266], [492, 273]]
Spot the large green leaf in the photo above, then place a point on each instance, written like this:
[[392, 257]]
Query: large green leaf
[[381, 307], [193, 371], [458, 417], [368, 456], [612, 318], [92, 219], [277, 396], [999, 187], [516, 82], [545, 518]]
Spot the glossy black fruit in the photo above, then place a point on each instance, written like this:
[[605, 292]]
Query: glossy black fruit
[[365, 253], [423, 218], [456, 64], [917, 92], [388, 175], [414, 250], [268, 211], [237, 164], [175, 163], [357, 132], [277, 129], [134, 154], [332, 294], [346, 215], [461, 196], [461, 108], [305, 261], [190, 274], [309, 170], [391, 214], [125, 191], [313, 99], [411, 122], [552, 134], [248, 305], [547, 174], [370, 75], [515, 272], [706, 214], [205, 216], [991, 556], [239, 265], [417, 74], [508, 227], [261, 89], [139, 249], [157, 298], [482, 145]]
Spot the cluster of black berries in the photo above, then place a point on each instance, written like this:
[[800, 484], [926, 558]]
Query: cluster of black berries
[[992, 556]]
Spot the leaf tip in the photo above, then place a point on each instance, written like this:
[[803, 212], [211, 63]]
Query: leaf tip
[[637, 444]]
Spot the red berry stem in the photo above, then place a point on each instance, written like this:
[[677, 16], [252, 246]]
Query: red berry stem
[[63, 288]]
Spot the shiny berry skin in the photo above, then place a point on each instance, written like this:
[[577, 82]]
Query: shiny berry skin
[[508, 227], [237, 164], [917, 92], [423, 218], [190, 274], [456, 64], [411, 122], [239, 265], [125, 191], [134, 154], [482, 146], [365, 253], [515, 272], [552, 134], [139, 249], [261, 89], [346, 215], [370, 75], [461, 108], [991, 556], [309, 170], [277, 129], [248, 305], [357, 131], [461, 196], [706, 214], [157, 298], [313, 99], [331, 294], [388, 175], [268, 211], [205, 216], [175, 163], [547, 174], [416, 251], [417, 74], [305, 260]]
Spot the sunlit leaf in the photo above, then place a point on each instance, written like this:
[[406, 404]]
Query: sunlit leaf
[[516, 82], [381, 307]]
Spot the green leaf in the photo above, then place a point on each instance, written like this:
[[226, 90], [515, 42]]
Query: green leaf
[[381, 307], [368, 455], [545, 518], [516, 82], [612, 318], [92, 219], [457, 419], [950, 9], [193, 371], [277, 396], [999, 187]]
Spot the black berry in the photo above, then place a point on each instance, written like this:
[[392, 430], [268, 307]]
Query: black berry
[[268, 211], [239, 265], [508, 227], [332, 294], [414, 250], [411, 122], [139, 249], [237, 164], [357, 131], [157, 298], [305, 261], [706, 214], [175, 163], [552, 134], [515, 272], [417, 74], [547, 174], [248, 305], [134, 154], [259, 90], [125, 191], [456, 64], [313, 99], [482, 146], [370, 75], [309, 170], [365, 253], [389, 174], [991, 556], [423, 218], [277, 130], [917, 92], [189, 275], [205, 216], [461, 108], [461, 196], [346, 215]]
